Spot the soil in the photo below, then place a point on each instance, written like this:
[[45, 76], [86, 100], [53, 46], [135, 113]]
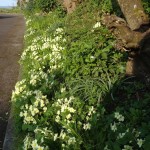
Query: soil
[[11, 44]]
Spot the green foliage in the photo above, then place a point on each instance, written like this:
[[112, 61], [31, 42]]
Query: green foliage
[[90, 48], [146, 4], [43, 6]]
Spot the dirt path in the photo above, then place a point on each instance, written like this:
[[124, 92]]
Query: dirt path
[[11, 43]]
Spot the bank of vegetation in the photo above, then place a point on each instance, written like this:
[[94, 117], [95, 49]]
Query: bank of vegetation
[[74, 94]]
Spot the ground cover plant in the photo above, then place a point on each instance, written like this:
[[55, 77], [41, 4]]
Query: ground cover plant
[[74, 94]]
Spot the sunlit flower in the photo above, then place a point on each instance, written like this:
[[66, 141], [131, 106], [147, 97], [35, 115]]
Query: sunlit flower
[[62, 134], [40, 148], [98, 24], [68, 116], [55, 137], [87, 126], [57, 119], [72, 110], [44, 109], [59, 30], [34, 144]]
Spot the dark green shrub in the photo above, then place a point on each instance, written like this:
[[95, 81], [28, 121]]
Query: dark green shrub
[[41, 5]]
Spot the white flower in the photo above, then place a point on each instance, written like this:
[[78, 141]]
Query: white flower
[[36, 103], [121, 135], [98, 24], [91, 111], [92, 57], [87, 126], [34, 144], [36, 110], [62, 134], [140, 142], [119, 117], [59, 30], [55, 136], [25, 113], [63, 108], [63, 145], [113, 127], [127, 147], [72, 110], [44, 109], [21, 114], [68, 116], [40, 148], [26, 142], [57, 119], [63, 90], [42, 103], [26, 106], [45, 45], [71, 140]]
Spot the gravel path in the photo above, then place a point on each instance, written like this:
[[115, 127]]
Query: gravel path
[[11, 43]]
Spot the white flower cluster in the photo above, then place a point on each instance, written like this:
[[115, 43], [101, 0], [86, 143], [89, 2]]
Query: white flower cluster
[[38, 107], [64, 135], [113, 126], [119, 117], [44, 49], [97, 25], [65, 109], [19, 88], [87, 125], [29, 143], [38, 76], [127, 147], [121, 135], [35, 145], [26, 143], [140, 142], [28, 21], [29, 32]]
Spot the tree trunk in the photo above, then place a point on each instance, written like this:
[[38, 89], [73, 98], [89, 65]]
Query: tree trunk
[[134, 13]]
